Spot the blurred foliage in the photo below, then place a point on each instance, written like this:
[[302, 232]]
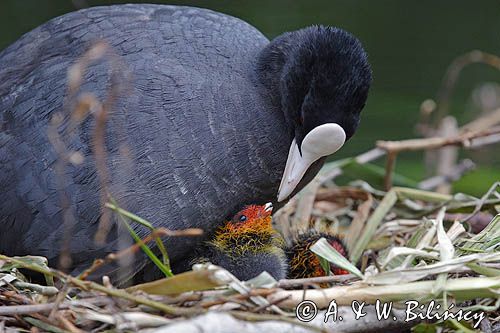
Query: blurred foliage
[[410, 44]]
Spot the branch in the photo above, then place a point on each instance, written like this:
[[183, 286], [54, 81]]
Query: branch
[[120, 293], [465, 140], [288, 283], [454, 174]]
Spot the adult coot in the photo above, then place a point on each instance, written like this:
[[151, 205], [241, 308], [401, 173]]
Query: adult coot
[[213, 116]]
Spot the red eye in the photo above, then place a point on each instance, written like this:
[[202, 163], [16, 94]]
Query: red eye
[[301, 120]]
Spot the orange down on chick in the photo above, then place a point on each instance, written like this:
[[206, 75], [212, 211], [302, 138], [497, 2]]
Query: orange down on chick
[[248, 244]]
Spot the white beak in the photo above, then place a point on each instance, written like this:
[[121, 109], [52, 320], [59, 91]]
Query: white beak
[[322, 141]]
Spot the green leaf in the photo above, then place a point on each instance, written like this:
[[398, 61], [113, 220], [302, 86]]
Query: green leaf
[[164, 265], [323, 249], [324, 264]]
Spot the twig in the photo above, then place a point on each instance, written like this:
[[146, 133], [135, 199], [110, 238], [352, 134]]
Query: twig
[[7, 310], [437, 142], [488, 120], [482, 201], [86, 285], [389, 169], [59, 299], [156, 231], [68, 218], [265, 306], [222, 299], [461, 288], [159, 232], [487, 140], [163, 266], [68, 324], [454, 174], [43, 290], [370, 155], [288, 283], [101, 111]]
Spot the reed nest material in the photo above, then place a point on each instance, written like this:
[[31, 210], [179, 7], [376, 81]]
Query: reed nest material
[[418, 248]]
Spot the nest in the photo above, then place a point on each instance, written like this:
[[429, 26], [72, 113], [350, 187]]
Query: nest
[[412, 245]]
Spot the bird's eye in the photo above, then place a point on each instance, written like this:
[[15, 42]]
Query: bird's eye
[[301, 120], [243, 218]]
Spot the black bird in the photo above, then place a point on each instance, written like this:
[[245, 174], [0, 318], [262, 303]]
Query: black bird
[[214, 116]]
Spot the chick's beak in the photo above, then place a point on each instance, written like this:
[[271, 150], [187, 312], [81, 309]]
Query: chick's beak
[[322, 140]]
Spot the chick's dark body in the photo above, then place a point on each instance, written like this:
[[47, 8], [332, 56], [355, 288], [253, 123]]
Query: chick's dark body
[[249, 264], [203, 133]]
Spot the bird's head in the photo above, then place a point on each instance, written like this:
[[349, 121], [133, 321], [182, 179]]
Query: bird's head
[[248, 230], [322, 76]]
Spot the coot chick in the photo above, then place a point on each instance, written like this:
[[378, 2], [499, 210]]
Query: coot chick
[[213, 116], [247, 245], [303, 263]]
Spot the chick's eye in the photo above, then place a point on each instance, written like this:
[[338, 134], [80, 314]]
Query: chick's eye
[[243, 218]]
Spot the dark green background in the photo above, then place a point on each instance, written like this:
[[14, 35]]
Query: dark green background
[[410, 44]]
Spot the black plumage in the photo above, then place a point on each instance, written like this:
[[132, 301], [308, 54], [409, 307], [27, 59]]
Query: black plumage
[[249, 266], [207, 110]]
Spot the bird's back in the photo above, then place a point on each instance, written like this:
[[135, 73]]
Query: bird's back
[[185, 139]]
